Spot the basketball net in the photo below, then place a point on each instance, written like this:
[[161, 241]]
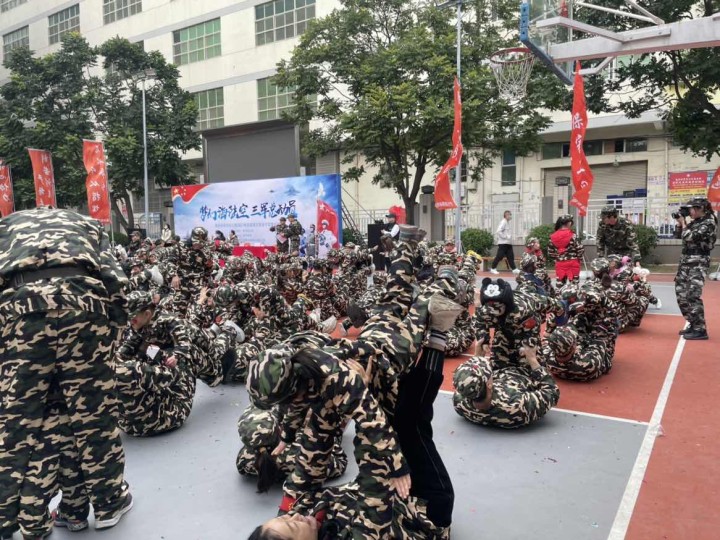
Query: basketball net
[[512, 68]]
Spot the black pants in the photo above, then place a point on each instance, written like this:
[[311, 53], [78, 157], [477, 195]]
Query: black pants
[[413, 424], [505, 251]]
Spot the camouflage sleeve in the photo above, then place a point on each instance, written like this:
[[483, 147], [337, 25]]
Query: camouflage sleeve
[[293, 416], [632, 242], [482, 323], [377, 451], [129, 345], [542, 397], [552, 251], [114, 280], [157, 377], [600, 240], [178, 331]]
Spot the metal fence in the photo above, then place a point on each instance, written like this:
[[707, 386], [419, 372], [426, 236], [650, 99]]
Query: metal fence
[[653, 212]]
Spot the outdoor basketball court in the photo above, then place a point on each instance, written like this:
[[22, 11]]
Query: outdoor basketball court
[[576, 474]]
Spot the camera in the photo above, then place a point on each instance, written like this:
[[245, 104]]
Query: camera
[[683, 211]]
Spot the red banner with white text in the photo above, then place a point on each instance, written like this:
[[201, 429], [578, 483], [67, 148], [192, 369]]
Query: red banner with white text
[[582, 177], [443, 196], [713, 193], [44, 177], [7, 203], [96, 182]]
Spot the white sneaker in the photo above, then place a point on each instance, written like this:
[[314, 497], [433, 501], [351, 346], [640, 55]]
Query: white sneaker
[[658, 304], [113, 520], [493, 271], [516, 271]]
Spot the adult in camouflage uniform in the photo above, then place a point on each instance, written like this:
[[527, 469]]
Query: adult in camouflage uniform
[[566, 249], [616, 235], [698, 239], [135, 243], [155, 381], [61, 301], [281, 231], [294, 233], [259, 432], [507, 397], [192, 269]]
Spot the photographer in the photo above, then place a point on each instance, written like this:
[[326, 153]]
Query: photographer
[[698, 238]]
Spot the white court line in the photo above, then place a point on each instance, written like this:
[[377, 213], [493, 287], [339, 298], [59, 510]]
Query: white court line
[[627, 505], [581, 413]]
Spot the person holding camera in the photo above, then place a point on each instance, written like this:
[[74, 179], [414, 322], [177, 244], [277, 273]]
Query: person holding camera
[[698, 239]]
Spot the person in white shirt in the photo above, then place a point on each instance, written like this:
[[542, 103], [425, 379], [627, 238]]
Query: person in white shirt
[[504, 241]]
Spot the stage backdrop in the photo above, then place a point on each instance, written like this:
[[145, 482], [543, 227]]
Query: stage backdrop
[[251, 207]]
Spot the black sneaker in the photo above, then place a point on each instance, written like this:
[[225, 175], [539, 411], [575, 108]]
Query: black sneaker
[[696, 335], [114, 519], [684, 331]]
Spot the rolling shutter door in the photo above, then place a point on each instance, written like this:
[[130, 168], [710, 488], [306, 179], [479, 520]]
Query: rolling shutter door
[[609, 180]]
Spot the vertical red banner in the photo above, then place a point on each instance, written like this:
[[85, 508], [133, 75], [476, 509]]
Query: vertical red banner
[[713, 193], [443, 196], [582, 176], [44, 177], [7, 202], [96, 182]]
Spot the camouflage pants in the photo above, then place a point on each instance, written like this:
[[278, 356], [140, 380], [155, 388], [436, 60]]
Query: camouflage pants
[[689, 283], [75, 347], [53, 466], [244, 352], [460, 336], [591, 360]]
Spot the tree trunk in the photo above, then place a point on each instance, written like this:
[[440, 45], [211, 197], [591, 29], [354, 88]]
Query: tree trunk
[[409, 210], [128, 223]]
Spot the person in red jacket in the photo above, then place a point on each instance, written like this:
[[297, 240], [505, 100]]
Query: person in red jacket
[[566, 249]]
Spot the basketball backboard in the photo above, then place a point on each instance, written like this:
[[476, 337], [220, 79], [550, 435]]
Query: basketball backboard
[[555, 32]]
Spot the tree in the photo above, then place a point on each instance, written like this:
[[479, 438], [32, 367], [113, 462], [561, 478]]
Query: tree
[[378, 75], [683, 84], [55, 101]]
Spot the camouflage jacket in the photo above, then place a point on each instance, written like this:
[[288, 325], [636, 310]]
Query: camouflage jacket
[[618, 239], [589, 360], [519, 397], [699, 238], [166, 331], [281, 233], [46, 239], [294, 232], [193, 265], [320, 285], [598, 315]]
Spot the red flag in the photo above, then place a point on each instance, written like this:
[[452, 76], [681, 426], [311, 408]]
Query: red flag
[[325, 212], [44, 177], [713, 194], [443, 196], [399, 211], [7, 203], [96, 182], [582, 176]]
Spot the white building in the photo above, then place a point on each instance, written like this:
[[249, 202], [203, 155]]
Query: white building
[[226, 50]]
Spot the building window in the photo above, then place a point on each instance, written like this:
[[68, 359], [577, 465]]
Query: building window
[[636, 145], [272, 100], [552, 150], [509, 168], [62, 22], [282, 19], [7, 5], [463, 170], [16, 39], [114, 10], [196, 43], [593, 148], [211, 110]]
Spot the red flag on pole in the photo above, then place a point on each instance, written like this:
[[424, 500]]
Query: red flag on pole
[[443, 196], [713, 194], [582, 176], [7, 203], [44, 177], [96, 182]]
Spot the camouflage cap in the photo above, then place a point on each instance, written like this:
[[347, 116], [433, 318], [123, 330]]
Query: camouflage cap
[[614, 258], [471, 378], [450, 242], [528, 262], [268, 299], [698, 202], [270, 378], [608, 211], [199, 234], [138, 301], [600, 265], [562, 340], [133, 261], [350, 245], [530, 241], [224, 295], [258, 428]]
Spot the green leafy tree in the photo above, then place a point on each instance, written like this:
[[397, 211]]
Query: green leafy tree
[[378, 75], [55, 101]]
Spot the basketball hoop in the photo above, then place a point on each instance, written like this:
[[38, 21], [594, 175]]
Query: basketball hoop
[[512, 68]]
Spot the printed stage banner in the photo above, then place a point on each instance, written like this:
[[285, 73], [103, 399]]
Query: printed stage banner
[[251, 207]]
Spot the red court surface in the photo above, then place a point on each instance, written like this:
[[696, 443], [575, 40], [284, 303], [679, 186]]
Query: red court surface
[[679, 492]]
